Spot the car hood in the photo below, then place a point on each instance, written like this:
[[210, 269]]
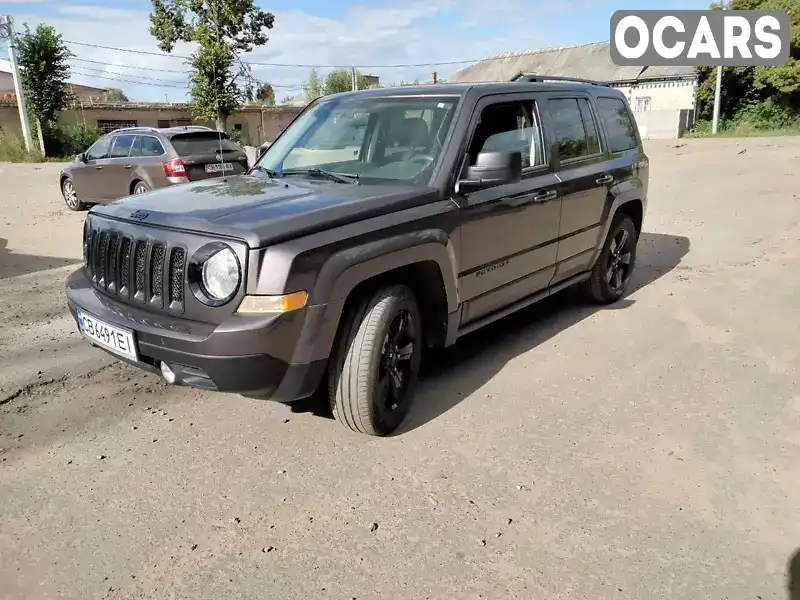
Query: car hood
[[260, 210]]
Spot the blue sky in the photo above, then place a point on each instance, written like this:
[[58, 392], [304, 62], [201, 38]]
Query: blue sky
[[324, 32]]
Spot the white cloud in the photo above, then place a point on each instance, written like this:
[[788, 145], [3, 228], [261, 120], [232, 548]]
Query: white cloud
[[399, 33]]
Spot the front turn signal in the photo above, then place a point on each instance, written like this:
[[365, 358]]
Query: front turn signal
[[271, 305]]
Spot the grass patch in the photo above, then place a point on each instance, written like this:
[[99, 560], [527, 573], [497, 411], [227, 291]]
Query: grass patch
[[742, 129]]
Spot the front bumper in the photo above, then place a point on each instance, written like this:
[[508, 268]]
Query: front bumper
[[244, 355]]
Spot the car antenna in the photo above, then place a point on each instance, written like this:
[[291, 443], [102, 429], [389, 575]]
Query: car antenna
[[216, 97]]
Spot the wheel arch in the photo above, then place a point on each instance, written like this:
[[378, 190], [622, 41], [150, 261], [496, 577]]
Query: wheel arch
[[425, 261]]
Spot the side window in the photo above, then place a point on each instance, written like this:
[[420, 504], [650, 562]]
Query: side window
[[122, 146], [147, 145], [618, 124], [99, 149], [574, 129], [509, 127]]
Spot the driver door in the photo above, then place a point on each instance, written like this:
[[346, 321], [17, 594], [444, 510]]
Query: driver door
[[86, 176], [509, 233]]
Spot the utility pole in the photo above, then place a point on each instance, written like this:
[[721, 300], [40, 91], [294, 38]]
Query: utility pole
[[717, 101], [354, 78], [7, 32], [717, 95]]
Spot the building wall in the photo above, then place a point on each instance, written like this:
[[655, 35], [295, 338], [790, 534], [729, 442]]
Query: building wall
[[664, 124], [661, 95], [6, 82], [257, 125]]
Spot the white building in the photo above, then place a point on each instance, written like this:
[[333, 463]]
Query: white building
[[663, 98]]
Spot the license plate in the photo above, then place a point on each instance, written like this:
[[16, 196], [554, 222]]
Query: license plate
[[117, 340], [217, 167]]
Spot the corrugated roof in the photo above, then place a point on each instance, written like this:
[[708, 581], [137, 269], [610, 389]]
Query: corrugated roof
[[587, 61]]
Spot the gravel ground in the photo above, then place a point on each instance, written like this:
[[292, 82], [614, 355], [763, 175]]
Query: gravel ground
[[647, 450]]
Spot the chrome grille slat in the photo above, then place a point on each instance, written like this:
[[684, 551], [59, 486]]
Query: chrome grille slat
[[140, 270]]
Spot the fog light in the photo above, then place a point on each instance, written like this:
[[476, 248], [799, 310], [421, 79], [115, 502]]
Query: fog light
[[169, 374]]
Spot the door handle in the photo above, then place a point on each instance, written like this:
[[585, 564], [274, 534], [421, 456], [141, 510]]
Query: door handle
[[546, 196], [605, 179], [99, 167], [128, 166]]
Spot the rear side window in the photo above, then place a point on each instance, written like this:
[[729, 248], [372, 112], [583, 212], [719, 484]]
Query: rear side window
[[122, 146], [618, 123], [147, 145], [202, 142], [574, 128]]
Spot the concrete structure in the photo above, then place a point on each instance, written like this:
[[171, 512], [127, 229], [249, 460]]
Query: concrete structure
[[671, 91], [255, 124]]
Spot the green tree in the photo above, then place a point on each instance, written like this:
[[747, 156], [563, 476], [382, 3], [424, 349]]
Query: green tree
[[748, 90], [44, 71], [221, 29], [341, 80], [313, 87], [116, 95]]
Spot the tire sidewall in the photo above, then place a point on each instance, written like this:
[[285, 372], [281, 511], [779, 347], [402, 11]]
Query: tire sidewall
[[622, 222], [384, 422], [78, 203], [141, 185]]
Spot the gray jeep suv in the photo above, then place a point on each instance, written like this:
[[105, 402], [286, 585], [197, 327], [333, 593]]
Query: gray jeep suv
[[139, 159], [378, 223]]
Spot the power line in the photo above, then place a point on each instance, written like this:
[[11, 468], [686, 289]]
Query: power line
[[164, 85], [181, 87], [305, 66], [131, 75], [100, 62]]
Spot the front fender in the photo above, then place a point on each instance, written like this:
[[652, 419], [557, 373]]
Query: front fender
[[344, 270], [349, 267]]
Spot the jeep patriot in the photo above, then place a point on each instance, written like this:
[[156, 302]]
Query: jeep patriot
[[379, 223]]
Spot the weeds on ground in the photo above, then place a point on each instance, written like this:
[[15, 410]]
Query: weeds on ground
[[62, 144], [764, 119]]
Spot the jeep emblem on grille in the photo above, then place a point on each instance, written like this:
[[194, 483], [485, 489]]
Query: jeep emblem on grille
[[140, 215]]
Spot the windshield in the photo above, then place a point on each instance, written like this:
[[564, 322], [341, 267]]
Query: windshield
[[398, 139]]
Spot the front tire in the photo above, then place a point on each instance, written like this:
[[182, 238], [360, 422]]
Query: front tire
[[374, 368], [70, 196], [613, 270]]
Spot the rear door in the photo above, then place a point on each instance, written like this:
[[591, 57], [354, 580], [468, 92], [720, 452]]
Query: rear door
[[149, 156], [116, 178], [207, 154], [585, 184]]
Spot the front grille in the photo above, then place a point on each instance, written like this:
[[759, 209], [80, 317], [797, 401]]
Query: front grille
[[140, 270]]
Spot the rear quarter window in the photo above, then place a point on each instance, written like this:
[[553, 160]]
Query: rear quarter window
[[205, 142], [618, 123]]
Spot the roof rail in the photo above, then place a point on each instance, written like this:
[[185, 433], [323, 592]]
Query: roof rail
[[534, 78]]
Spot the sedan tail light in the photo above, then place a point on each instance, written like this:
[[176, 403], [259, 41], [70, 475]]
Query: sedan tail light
[[175, 171]]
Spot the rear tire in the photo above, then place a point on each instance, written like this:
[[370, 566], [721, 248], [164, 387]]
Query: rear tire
[[375, 364], [70, 196], [614, 268], [140, 187]]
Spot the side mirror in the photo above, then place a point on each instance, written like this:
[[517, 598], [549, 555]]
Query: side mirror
[[491, 169], [81, 157]]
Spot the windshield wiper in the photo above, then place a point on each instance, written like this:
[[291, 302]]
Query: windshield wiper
[[270, 173], [338, 177]]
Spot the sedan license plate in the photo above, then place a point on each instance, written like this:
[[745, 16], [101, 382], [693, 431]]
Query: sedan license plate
[[217, 167], [117, 340]]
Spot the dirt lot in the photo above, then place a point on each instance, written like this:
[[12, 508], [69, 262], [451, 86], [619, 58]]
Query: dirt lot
[[649, 450]]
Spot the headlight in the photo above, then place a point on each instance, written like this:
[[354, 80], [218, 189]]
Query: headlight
[[220, 275]]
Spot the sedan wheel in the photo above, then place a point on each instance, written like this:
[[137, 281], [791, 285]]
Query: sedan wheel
[[71, 196], [140, 188]]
